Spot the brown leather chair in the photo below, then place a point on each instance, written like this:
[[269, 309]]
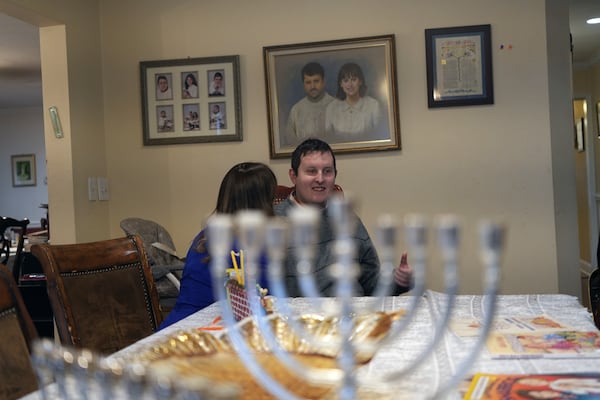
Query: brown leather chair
[[18, 332], [102, 293], [283, 192]]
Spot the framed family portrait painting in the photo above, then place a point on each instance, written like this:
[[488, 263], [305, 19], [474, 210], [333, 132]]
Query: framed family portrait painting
[[23, 170], [342, 91], [191, 100]]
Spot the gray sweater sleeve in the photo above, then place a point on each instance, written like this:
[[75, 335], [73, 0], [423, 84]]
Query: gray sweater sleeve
[[368, 260]]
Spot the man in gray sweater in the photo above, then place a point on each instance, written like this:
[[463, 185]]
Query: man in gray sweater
[[313, 172]]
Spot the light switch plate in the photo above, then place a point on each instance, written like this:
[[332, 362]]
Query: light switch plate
[[103, 194], [92, 189]]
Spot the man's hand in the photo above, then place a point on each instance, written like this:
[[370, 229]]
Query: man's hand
[[403, 272]]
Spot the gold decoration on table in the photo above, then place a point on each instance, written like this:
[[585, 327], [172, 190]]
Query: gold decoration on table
[[197, 353], [226, 367], [368, 329]]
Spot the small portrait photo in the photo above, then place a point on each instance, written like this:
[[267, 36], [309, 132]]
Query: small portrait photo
[[216, 82], [23, 170], [191, 117], [163, 86], [164, 119], [189, 85], [218, 117]]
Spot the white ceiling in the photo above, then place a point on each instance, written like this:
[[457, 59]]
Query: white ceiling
[[586, 38], [20, 72]]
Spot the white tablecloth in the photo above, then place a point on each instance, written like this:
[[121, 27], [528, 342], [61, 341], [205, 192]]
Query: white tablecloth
[[443, 362]]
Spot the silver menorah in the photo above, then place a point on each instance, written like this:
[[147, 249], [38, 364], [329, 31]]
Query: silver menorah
[[92, 376], [257, 233]]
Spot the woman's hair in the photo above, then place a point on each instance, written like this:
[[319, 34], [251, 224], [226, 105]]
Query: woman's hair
[[193, 80], [247, 186], [350, 70]]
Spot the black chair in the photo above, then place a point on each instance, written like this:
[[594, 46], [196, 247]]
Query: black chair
[[18, 227]]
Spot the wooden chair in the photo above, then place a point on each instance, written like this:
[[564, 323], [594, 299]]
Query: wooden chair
[[18, 332], [102, 293], [283, 192], [21, 228]]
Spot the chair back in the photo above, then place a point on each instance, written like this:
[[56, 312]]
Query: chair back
[[102, 293], [18, 332], [166, 267], [21, 227], [151, 232], [283, 192]]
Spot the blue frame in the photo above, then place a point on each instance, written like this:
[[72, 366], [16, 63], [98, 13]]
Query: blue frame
[[482, 54]]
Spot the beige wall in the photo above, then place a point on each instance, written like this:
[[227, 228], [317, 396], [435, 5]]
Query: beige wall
[[485, 161]]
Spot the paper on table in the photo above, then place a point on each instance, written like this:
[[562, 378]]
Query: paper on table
[[512, 386], [559, 344], [538, 323]]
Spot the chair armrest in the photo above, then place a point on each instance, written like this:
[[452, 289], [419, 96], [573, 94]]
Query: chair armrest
[[173, 280], [166, 249]]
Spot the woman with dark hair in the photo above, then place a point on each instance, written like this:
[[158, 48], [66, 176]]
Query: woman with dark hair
[[246, 186], [353, 113], [190, 87]]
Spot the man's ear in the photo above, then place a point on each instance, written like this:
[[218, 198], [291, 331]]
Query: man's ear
[[292, 176]]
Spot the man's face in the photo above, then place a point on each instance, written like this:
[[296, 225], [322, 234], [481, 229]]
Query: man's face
[[315, 179], [314, 85], [163, 85], [218, 81]]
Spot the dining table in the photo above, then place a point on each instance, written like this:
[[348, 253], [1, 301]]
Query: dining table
[[399, 352]]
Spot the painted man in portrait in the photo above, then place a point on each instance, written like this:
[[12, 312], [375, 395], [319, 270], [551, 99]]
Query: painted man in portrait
[[307, 116]]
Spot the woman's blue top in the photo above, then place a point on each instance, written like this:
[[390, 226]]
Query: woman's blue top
[[196, 290]]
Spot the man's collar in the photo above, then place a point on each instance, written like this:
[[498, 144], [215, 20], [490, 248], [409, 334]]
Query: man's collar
[[296, 202]]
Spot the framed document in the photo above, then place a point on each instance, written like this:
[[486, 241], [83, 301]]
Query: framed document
[[459, 66]]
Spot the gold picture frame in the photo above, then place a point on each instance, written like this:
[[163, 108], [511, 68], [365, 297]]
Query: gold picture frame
[[374, 124]]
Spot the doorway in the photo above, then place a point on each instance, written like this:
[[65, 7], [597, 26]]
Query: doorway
[[21, 112], [584, 143], [55, 91]]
